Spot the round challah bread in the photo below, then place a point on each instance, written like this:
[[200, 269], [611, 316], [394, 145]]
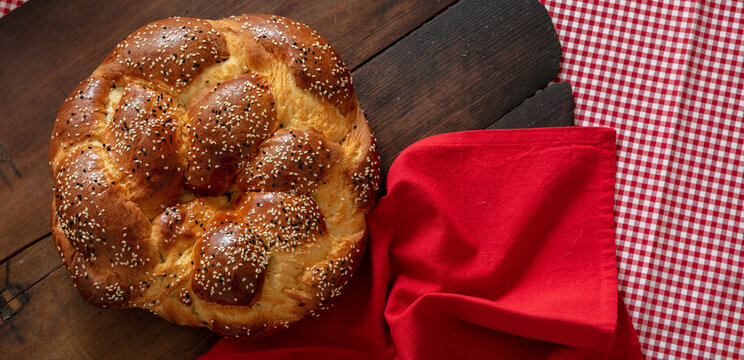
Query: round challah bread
[[217, 173]]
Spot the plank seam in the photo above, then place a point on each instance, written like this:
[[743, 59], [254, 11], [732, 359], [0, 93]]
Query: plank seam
[[24, 247], [523, 101], [14, 313], [396, 41]]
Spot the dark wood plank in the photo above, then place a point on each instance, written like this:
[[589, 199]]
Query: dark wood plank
[[56, 323], [47, 47], [461, 71], [23, 270], [551, 107]]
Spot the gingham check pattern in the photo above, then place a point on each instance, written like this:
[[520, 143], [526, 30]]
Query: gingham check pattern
[[7, 5], [670, 78]]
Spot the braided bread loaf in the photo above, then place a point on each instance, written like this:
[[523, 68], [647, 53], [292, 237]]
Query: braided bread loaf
[[216, 173]]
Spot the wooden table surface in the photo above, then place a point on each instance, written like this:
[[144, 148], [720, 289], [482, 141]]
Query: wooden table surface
[[420, 67]]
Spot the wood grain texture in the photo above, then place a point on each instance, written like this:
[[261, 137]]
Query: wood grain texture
[[461, 71], [48, 47], [23, 270], [469, 66], [56, 323], [550, 107]]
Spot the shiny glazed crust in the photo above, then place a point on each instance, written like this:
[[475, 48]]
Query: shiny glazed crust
[[216, 173]]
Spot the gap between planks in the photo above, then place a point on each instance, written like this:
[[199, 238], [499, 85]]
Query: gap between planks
[[396, 41], [23, 248]]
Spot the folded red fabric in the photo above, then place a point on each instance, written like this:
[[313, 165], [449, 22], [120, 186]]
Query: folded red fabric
[[489, 244]]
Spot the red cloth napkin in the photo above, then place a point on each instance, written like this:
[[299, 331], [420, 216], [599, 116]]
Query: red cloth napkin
[[489, 244]]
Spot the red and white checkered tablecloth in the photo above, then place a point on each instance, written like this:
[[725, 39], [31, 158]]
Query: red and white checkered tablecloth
[[7, 5], [669, 76]]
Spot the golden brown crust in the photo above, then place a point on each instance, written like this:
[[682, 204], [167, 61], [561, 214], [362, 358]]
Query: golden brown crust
[[314, 63], [284, 221], [291, 160], [179, 225], [229, 262], [98, 286], [169, 53], [80, 114], [329, 277], [208, 173], [142, 141], [225, 127], [99, 222], [365, 172]]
